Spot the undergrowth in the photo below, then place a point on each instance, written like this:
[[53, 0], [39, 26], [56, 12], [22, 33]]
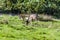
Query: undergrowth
[[12, 28]]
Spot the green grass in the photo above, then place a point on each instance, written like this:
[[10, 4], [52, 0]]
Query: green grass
[[12, 28]]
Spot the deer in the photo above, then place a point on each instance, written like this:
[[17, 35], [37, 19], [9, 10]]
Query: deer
[[28, 18]]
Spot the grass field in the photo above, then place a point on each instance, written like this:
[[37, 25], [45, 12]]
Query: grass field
[[12, 28]]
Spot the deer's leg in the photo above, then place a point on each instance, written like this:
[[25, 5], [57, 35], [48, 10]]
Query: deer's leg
[[27, 22]]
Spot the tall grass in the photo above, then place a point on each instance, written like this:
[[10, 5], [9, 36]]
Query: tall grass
[[15, 29]]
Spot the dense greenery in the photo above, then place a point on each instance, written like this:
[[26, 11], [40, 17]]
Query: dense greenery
[[12, 28], [32, 6]]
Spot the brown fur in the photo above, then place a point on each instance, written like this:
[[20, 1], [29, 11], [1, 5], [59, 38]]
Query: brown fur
[[28, 17]]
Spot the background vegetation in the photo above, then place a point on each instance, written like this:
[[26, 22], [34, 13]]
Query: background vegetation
[[51, 7]]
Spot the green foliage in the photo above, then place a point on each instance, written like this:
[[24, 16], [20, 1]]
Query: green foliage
[[51, 7]]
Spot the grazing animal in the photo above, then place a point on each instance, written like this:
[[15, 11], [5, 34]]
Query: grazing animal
[[28, 18], [32, 17], [24, 17]]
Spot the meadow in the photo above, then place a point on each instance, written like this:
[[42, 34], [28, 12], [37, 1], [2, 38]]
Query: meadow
[[12, 28]]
